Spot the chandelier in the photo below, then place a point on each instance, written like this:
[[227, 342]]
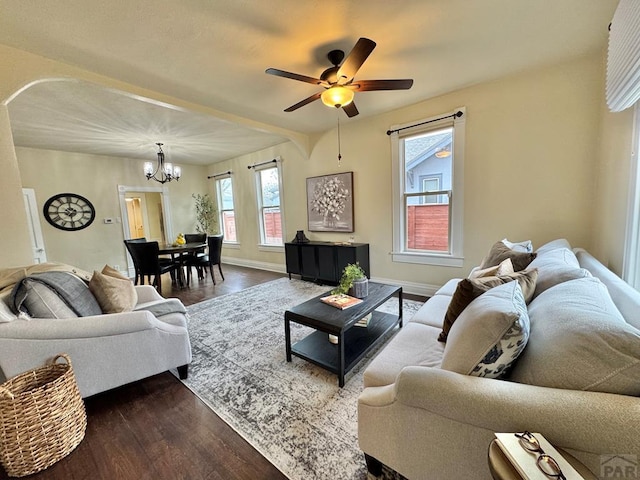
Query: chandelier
[[164, 172]]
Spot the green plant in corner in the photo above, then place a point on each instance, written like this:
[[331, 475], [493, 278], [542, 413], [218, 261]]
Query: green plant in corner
[[353, 271], [206, 214]]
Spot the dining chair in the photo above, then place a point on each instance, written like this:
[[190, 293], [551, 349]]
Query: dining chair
[[195, 238], [214, 243], [146, 261]]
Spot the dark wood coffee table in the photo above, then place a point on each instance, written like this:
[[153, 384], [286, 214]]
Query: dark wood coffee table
[[353, 341]]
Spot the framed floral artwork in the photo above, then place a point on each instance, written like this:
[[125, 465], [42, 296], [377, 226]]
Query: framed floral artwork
[[330, 203]]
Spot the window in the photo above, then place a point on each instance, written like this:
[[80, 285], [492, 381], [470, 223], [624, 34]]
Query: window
[[270, 214], [428, 190], [224, 190]]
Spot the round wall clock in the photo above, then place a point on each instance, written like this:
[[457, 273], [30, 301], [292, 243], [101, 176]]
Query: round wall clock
[[69, 211]]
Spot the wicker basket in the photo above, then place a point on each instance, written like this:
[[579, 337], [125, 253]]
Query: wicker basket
[[42, 418]]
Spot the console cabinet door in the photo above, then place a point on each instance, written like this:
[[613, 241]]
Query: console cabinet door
[[327, 263], [292, 257], [309, 269]]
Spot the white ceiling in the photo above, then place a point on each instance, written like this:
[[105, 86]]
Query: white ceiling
[[214, 53]]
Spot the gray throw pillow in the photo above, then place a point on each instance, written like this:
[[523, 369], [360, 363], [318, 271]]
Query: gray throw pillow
[[490, 334], [580, 341], [500, 252], [54, 294]]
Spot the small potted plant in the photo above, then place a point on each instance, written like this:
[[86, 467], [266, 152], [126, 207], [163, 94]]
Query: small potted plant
[[353, 281]]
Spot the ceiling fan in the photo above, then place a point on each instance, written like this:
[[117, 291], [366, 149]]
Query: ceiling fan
[[338, 81]]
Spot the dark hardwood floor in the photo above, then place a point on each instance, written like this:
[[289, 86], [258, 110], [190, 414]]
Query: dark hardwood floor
[[157, 428]]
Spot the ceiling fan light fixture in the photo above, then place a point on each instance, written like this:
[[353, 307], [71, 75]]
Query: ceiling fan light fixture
[[337, 96]]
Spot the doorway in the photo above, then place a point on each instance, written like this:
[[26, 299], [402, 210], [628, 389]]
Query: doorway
[[145, 213]]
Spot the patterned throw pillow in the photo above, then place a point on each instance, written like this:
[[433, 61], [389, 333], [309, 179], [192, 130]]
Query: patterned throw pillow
[[490, 334]]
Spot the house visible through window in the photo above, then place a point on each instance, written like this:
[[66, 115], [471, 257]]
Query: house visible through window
[[270, 218], [428, 191], [427, 216], [224, 190]]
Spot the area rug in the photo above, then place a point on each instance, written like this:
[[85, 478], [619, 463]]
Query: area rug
[[294, 414]]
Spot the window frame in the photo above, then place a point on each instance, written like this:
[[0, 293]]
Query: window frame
[[221, 210], [262, 245], [400, 254]]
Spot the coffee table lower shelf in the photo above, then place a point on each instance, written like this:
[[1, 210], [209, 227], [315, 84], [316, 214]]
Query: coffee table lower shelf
[[357, 342]]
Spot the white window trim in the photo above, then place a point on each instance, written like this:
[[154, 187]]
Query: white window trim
[[226, 242], [631, 263], [455, 258], [262, 246]]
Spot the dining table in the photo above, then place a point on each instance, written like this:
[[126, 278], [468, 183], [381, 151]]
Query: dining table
[[178, 254]]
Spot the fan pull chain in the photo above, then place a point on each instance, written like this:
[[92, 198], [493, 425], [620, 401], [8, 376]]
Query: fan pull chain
[[339, 154]]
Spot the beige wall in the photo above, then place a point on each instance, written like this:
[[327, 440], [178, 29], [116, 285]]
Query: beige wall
[[15, 244], [97, 177], [612, 188], [532, 149], [544, 160]]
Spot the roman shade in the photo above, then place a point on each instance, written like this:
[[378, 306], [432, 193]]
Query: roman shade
[[623, 59]]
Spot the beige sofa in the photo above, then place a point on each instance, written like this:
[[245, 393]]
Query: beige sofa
[[106, 350], [427, 422]]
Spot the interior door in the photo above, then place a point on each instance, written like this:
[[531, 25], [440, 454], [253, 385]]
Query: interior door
[[35, 231], [136, 220]]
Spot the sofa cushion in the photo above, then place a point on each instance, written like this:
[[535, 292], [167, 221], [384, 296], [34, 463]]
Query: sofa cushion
[[114, 292], [556, 265], [469, 289], [499, 252], [414, 345], [41, 301], [553, 244], [580, 341], [490, 333]]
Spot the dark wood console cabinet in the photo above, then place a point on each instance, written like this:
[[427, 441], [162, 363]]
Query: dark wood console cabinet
[[324, 261]]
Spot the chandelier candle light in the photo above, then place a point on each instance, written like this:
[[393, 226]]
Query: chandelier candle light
[[166, 171]]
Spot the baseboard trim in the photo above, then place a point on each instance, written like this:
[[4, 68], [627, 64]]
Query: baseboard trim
[[243, 262], [423, 289]]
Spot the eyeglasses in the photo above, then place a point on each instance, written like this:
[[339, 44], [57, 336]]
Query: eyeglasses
[[546, 463]]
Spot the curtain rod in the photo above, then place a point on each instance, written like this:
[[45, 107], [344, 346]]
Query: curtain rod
[[458, 114], [275, 160], [219, 175]]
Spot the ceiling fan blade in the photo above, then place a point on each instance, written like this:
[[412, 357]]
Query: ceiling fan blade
[[294, 76], [351, 110], [356, 58], [369, 85], [304, 102]]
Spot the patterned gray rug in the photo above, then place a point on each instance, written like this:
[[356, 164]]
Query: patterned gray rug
[[292, 413]]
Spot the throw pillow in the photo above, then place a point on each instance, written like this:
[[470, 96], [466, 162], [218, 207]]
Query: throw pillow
[[53, 294], [6, 315], [112, 272], [524, 246], [580, 341], [115, 294], [505, 268], [470, 289], [500, 252], [490, 334]]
